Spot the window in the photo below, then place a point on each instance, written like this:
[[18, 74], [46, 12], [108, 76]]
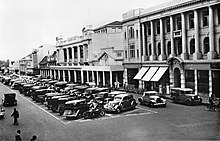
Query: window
[[158, 27], [169, 48], [218, 10], [192, 46], [205, 17], [119, 54], [75, 53], [132, 51], [137, 52], [81, 52], [86, 52], [206, 45], [126, 54], [168, 25], [148, 29], [131, 32], [149, 48], [179, 51], [137, 33], [159, 49], [191, 20], [125, 35], [177, 25]]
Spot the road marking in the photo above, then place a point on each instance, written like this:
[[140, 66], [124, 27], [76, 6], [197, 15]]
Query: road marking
[[36, 105]]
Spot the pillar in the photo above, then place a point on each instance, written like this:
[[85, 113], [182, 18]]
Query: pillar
[[69, 76], [196, 81], [211, 54], [184, 54], [143, 43], [197, 55], [182, 79], [64, 76], [78, 51], [97, 81], [87, 74], [82, 78], [103, 74], [111, 84], [153, 56], [162, 55], [171, 37], [67, 56], [73, 54], [210, 83], [74, 73]]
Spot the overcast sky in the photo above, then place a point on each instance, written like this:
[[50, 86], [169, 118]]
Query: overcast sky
[[28, 24]]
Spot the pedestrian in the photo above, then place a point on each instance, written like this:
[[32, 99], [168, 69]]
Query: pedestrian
[[15, 115], [34, 138], [18, 136]]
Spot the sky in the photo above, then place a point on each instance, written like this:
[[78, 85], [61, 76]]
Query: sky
[[27, 24]]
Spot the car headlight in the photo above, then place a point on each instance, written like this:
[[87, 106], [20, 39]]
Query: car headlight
[[193, 97]]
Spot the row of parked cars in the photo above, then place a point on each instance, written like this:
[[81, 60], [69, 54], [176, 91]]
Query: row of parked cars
[[72, 100]]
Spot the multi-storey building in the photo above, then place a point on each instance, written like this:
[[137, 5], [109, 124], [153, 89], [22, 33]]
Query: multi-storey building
[[26, 65], [176, 44], [95, 56]]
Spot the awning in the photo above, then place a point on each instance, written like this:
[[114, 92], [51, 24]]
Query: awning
[[150, 73], [159, 74], [141, 73]]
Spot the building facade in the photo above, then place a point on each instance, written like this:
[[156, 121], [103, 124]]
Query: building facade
[[175, 44], [96, 56]]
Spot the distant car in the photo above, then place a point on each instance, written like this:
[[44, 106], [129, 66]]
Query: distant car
[[185, 95], [9, 99], [120, 103], [152, 98]]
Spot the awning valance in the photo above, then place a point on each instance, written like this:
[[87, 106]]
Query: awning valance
[[141, 73], [150, 73], [159, 74]]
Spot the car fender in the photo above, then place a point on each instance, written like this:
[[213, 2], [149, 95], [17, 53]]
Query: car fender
[[140, 99]]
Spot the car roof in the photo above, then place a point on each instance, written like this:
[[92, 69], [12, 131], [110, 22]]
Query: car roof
[[10, 94], [117, 92], [122, 95], [151, 92], [182, 89], [75, 101]]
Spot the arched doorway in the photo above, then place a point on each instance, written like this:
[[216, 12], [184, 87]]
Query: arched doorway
[[177, 77]]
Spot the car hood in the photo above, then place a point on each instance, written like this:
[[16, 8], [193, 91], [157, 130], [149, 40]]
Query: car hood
[[154, 96], [113, 102]]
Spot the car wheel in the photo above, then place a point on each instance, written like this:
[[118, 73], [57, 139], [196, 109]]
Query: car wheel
[[188, 103], [86, 115], [102, 112], [118, 110], [174, 100], [133, 104]]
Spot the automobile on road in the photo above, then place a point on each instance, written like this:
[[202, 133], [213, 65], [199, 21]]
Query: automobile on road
[[185, 96], [152, 99], [9, 99]]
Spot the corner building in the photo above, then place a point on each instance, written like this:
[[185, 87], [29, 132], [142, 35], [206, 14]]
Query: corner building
[[175, 44], [96, 56]]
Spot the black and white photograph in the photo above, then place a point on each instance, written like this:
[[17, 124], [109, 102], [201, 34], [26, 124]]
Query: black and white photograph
[[109, 70]]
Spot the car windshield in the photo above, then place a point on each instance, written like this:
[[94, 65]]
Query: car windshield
[[188, 92], [117, 98]]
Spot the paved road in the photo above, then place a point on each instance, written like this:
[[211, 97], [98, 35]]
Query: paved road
[[176, 122]]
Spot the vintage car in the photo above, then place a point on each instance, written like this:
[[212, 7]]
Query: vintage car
[[54, 102], [27, 89], [34, 89], [60, 85], [40, 94], [114, 93], [102, 98], [9, 99], [152, 98], [16, 85], [120, 103], [185, 96], [75, 108], [48, 97], [61, 103]]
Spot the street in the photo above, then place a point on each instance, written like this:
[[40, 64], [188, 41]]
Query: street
[[175, 122]]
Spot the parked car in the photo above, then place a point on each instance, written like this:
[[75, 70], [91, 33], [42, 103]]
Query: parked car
[[120, 103], [60, 85], [75, 108], [185, 95], [54, 102], [61, 103], [48, 97], [40, 94], [27, 89], [9, 99], [152, 98]]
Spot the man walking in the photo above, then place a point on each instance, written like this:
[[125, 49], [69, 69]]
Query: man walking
[[15, 115], [18, 136]]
